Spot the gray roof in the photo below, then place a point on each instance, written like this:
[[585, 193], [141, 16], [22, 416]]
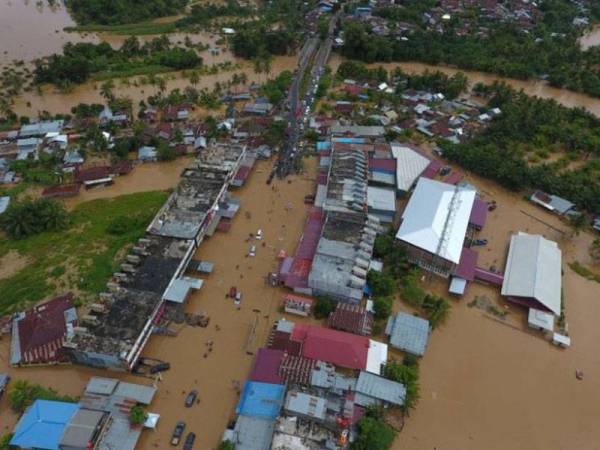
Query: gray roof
[[4, 201], [138, 392], [180, 288], [41, 128], [410, 164], [252, 433], [380, 388], [533, 270], [408, 333], [306, 405], [358, 130], [81, 428], [381, 199], [102, 386]]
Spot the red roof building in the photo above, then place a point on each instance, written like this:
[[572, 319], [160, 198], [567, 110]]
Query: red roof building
[[332, 346], [266, 366], [38, 335], [61, 191], [351, 318], [92, 174]]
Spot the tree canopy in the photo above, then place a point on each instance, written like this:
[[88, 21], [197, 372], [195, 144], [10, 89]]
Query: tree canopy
[[28, 217], [110, 12]]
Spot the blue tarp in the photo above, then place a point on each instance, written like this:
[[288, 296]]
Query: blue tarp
[[350, 140], [323, 145], [261, 399], [43, 424]]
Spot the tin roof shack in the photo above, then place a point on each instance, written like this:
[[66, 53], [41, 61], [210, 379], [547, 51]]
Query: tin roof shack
[[382, 203], [408, 333], [435, 223], [193, 205], [351, 318], [533, 273], [177, 112], [251, 433], [121, 322], [39, 129], [373, 390], [116, 398], [552, 203], [38, 335]]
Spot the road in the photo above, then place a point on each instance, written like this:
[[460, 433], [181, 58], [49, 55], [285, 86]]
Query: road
[[300, 102]]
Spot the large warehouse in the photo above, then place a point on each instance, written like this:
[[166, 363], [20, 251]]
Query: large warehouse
[[533, 273], [435, 223]]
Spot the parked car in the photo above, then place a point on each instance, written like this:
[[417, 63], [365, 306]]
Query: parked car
[[252, 251], [189, 441], [480, 242], [177, 433], [259, 235], [160, 367], [191, 398]]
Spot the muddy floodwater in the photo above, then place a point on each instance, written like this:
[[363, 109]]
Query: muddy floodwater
[[591, 38], [538, 88], [30, 29]]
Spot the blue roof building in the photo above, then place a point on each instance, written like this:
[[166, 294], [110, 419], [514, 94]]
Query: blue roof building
[[261, 400], [43, 424]]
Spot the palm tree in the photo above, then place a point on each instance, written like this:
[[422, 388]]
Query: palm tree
[[194, 78], [106, 90], [162, 84], [258, 67]]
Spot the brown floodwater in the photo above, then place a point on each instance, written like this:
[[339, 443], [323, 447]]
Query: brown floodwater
[[54, 101], [30, 29], [591, 38], [538, 88]]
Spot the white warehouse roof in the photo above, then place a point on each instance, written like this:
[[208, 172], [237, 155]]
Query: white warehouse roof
[[410, 164], [427, 222], [533, 270]]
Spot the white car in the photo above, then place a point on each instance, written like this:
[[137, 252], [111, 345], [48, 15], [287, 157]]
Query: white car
[[252, 251], [259, 235]]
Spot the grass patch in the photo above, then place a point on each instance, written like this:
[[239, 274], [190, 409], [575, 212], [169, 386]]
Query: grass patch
[[130, 29], [580, 269], [132, 72], [88, 245]]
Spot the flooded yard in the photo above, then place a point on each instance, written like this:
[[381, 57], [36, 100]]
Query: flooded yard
[[591, 38]]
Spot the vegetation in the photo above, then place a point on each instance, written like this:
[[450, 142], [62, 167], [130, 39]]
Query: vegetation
[[252, 40], [381, 283], [30, 217], [87, 250], [5, 441], [595, 250], [582, 270], [122, 11], [507, 51], [202, 14], [130, 29], [276, 88], [138, 415], [82, 60], [382, 307], [226, 445], [435, 308], [373, 432], [23, 393], [527, 124], [323, 306], [406, 373]]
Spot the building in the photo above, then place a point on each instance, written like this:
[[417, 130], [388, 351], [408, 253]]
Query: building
[[532, 276], [294, 304], [251, 433], [39, 129], [267, 365], [147, 153], [38, 335], [351, 318], [263, 400], [552, 203], [410, 165], [435, 223], [373, 389], [381, 203], [408, 333]]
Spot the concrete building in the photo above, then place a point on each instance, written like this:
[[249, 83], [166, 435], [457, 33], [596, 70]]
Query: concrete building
[[533, 273], [435, 223]]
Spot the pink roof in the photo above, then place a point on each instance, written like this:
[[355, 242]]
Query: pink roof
[[478, 213], [266, 366], [93, 173], [453, 178], [432, 169], [332, 346], [490, 277], [466, 264], [383, 164]]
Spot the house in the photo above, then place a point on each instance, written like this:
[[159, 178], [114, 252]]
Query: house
[[93, 176], [552, 203], [261, 400], [257, 108], [381, 203], [410, 165], [165, 131], [373, 390], [351, 318], [408, 333], [38, 335], [266, 366], [62, 190], [294, 304], [39, 129], [435, 223], [178, 112], [147, 153], [533, 273], [73, 157]]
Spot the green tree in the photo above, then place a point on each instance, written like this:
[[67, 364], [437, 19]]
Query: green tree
[[323, 306], [107, 90], [137, 415], [382, 307], [28, 217], [373, 434], [381, 284], [194, 78], [595, 250], [226, 445], [23, 393], [408, 375]]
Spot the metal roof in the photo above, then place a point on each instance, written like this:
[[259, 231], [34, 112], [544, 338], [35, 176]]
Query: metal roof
[[540, 319], [436, 218], [262, 400], [306, 404], [81, 428], [381, 199], [533, 270], [179, 290], [101, 386], [138, 392], [410, 164], [252, 433], [358, 130], [380, 388], [408, 333]]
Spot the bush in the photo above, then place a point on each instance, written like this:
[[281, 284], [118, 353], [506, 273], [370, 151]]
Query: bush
[[436, 308], [226, 445], [373, 434], [30, 217], [381, 283], [122, 225], [323, 306], [382, 307], [408, 375], [137, 415], [411, 292], [5, 441], [23, 394]]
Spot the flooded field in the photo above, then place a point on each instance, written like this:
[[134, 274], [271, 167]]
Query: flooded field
[[151, 176], [492, 384], [54, 101], [591, 38], [531, 87]]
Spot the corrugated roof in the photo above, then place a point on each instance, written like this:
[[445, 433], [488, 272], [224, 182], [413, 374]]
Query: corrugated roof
[[533, 270], [428, 222], [410, 164], [266, 366], [380, 388], [252, 433], [408, 333], [101, 386], [381, 199], [263, 400]]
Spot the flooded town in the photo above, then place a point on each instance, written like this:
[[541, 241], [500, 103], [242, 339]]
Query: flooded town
[[261, 225]]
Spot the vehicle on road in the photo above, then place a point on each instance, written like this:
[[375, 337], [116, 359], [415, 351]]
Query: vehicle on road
[[189, 441], [177, 433], [191, 398], [252, 251]]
